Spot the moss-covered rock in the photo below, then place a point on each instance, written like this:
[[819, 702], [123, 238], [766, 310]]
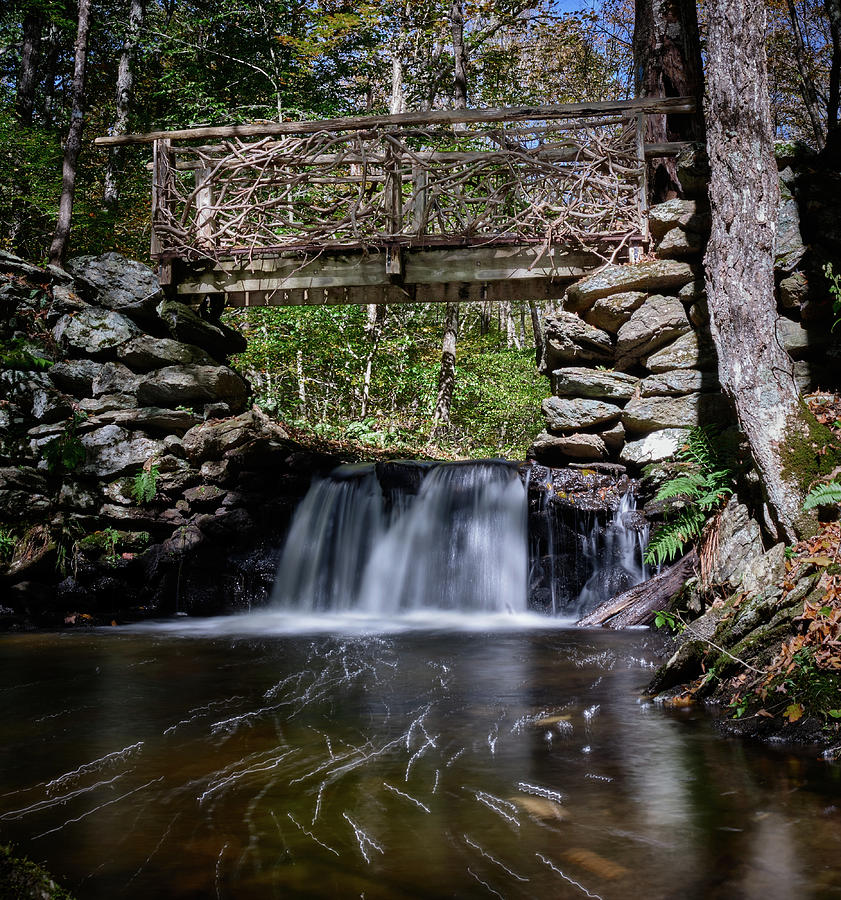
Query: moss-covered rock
[[22, 879]]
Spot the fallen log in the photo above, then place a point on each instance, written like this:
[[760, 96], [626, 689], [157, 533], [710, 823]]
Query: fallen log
[[640, 604]]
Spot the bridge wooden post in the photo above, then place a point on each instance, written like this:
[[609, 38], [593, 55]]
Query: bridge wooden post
[[393, 202], [205, 219], [163, 163], [420, 181], [643, 178]]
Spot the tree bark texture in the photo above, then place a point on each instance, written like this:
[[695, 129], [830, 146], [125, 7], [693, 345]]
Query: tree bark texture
[[447, 374], [125, 90], [537, 329], [754, 369], [667, 63], [33, 23], [459, 55], [58, 247]]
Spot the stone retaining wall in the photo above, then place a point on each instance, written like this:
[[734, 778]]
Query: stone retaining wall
[[629, 353]]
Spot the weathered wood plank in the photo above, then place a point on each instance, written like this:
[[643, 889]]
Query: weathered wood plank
[[650, 105], [533, 289], [475, 265]]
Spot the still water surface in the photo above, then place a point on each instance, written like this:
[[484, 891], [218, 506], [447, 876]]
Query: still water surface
[[418, 763]]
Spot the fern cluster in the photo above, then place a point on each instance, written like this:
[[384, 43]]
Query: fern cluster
[[823, 495], [707, 484], [144, 487]]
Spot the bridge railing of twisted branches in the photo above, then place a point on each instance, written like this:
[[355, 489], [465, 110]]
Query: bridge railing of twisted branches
[[571, 174]]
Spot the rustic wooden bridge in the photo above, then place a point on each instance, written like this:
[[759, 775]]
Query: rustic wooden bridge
[[484, 204]]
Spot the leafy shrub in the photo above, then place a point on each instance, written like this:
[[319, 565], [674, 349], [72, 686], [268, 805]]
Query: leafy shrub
[[702, 489]]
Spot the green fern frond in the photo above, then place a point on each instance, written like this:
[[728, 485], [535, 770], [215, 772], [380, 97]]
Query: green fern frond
[[145, 485], [687, 485], [823, 495], [670, 538]]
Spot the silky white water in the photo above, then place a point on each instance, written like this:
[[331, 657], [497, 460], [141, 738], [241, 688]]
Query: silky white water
[[460, 545]]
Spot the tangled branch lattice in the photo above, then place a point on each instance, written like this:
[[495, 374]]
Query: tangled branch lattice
[[567, 181]]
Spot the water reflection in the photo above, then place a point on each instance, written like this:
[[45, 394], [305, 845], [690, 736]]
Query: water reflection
[[420, 764]]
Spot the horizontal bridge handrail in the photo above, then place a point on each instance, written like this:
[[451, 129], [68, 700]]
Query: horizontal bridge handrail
[[640, 105]]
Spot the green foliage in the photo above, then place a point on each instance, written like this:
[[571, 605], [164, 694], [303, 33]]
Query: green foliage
[[8, 541], [835, 292], [702, 489], [739, 704], [672, 620], [823, 495], [21, 878], [66, 452], [144, 486], [21, 354]]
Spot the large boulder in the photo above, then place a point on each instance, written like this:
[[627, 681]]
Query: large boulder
[[23, 493], [688, 215], [789, 248], [185, 324], [570, 415], [115, 378], [680, 244], [689, 351], [117, 283], [578, 381], [655, 275], [659, 320], [610, 313], [94, 332], [739, 544], [212, 440], [678, 381], [112, 451], [552, 448], [145, 353], [570, 340], [656, 413], [654, 447], [75, 376], [150, 418], [189, 385]]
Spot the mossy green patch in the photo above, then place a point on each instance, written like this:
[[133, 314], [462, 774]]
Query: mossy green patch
[[808, 457], [22, 879]]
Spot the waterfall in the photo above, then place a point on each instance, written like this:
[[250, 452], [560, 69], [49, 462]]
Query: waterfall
[[459, 544], [390, 539]]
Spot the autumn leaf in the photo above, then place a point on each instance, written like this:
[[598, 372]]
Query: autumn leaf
[[794, 712]]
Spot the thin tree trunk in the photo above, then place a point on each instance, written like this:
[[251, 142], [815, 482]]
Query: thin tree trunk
[[33, 23], [397, 103], [459, 55], [667, 63], [537, 328], [374, 330], [50, 66], [447, 374], [754, 369], [302, 384], [58, 248], [125, 90]]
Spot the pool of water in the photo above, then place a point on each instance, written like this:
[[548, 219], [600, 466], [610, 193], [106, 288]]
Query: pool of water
[[218, 760]]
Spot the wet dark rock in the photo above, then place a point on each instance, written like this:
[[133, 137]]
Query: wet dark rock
[[115, 378], [75, 376], [23, 492]]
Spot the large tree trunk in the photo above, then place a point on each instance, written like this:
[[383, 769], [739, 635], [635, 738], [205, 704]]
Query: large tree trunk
[[667, 63], [754, 369], [833, 102], [58, 248], [447, 373], [125, 89], [33, 23]]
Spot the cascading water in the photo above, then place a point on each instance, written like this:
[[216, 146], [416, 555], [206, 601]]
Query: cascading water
[[394, 539], [458, 545]]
